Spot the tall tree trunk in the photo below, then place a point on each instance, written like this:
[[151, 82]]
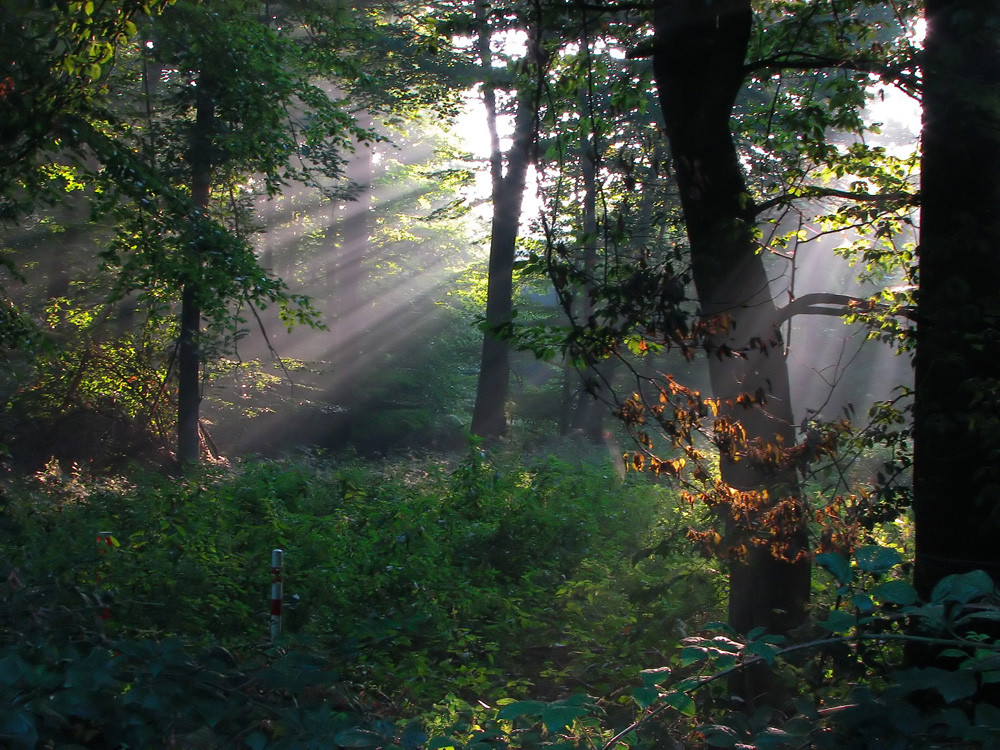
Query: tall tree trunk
[[188, 348], [698, 65], [588, 416], [956, 424], [489, 419]]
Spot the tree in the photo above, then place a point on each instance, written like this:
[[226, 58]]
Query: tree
[[957, 411], [699, 65], [200, 157], [53, 69], [489, 417], [54, 65], [266, 118], [749, 136], [174, 153]]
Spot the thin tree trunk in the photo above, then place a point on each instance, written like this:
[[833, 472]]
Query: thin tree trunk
[[956, 428], [189, 347], [698, 64], [589, 414], [489, 418]]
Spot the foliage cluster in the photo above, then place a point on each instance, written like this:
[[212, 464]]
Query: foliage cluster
[[403, 584], [845, 683]]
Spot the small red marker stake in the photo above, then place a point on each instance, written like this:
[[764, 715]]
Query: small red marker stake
[[277, 593]]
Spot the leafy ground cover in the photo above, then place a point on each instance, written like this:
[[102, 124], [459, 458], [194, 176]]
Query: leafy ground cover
[[139, 608], [482, 604]]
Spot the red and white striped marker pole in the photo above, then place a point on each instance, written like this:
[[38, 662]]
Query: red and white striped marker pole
[[277, 593]]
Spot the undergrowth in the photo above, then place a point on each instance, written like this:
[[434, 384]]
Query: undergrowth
[[404, 583], [483, 604]]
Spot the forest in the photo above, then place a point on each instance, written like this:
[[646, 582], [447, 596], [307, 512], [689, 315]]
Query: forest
[[473, 375]]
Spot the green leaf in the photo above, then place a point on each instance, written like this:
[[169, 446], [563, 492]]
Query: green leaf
[[655, 676], [963, 587], [957, 685], [772, 737], [558, 717], [874, 558], [838, 621], [680, 701], [836, 565], [646, 696], [806, 706], [863, 602], [952, 686], [517, 709], [991, 615], [987, 715], [11, 668], [412, 738], [719, 735], [18, 729], [764, 650], [691, 655], [895, 592], [953, 718], [798, 726], [725, 627]]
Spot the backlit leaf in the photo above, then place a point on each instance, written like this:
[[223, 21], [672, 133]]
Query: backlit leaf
[[680, 701]]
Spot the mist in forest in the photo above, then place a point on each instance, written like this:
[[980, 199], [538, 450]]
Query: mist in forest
[[384, 264], [394, 260], [395, 367], [838, 370]]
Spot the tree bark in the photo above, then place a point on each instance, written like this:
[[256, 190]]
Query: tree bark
[[189, 345], [957, 370], [698, 64], [489, 419]]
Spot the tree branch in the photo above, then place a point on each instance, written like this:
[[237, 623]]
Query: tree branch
[[897, 196], [821, 303], [909, 82]]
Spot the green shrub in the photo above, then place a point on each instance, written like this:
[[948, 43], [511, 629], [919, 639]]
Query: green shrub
[[848, 684], [416, 579]]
